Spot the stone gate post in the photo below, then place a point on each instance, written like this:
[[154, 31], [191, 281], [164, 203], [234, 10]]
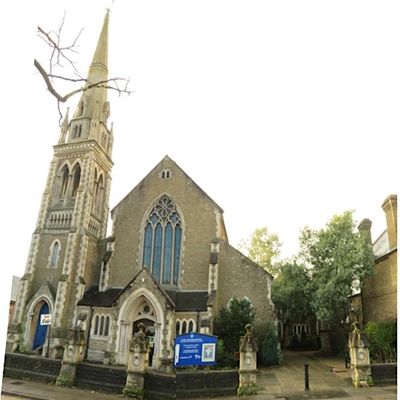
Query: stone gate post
[[74, 354], [138, 359], [359, 358], [248, 363]]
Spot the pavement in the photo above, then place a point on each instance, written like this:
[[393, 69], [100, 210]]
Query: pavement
[[328, 379]]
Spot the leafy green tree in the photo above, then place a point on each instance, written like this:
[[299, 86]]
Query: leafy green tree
[[230, 325], [292, 292], [339, 257], [263, 248]]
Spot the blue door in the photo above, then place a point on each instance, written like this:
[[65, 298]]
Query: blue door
[[41, 330]]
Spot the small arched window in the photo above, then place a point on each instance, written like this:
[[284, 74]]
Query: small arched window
[[102, 325], [177, 327], [184, 327], [165, 174], [191, 326], [107, 326], [54, 254], [96, 325]]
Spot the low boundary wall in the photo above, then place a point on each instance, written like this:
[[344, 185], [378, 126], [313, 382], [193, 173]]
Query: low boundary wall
[[157, 386], [33, 368], [384, 373]]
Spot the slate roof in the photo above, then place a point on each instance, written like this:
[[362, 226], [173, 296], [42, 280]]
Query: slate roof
[[189, 301], [381, 245], [183, 301], [100, 299]]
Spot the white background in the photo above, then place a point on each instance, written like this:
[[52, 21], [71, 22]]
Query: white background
[[284, 112]]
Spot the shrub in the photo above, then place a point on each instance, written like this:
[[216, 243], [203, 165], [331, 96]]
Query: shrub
[[224, 359], [382, 341], [266, 337], [230, 325]]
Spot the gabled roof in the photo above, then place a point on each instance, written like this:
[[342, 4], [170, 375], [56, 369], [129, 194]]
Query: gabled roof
[[93, 297], [167, 158], [144, 270]]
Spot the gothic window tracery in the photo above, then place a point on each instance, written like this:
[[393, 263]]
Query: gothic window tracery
[[162, 242]]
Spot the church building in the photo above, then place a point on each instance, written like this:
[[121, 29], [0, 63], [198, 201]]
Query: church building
[[168, 263]]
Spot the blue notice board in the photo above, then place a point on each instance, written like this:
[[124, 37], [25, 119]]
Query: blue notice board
[[195, 349]]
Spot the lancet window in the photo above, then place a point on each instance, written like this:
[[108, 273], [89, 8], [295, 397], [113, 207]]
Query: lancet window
[[64, 182], [76, 173], [98, 194], [54, 254], [162, 242]]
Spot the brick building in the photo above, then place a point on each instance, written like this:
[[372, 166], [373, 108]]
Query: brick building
[[167, 264], [378, 298]]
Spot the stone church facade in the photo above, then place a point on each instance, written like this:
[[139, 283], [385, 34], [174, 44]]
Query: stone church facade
[[168, 263]]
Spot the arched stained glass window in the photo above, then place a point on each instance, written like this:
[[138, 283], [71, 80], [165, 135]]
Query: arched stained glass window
[[157, 252], [167, 253], [162, 242]]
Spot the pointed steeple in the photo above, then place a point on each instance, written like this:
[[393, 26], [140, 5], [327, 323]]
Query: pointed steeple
[[93, 103], [98, 68]]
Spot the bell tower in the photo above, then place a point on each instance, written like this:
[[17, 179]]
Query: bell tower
[[63, 259]]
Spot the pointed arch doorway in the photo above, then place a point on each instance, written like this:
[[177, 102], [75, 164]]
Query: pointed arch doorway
[[40, 330], [141, 307]]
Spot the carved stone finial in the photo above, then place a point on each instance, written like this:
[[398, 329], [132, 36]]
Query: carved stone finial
[[248, 343]]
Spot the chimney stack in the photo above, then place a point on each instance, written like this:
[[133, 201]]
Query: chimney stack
[[364, 227], [390, 208]]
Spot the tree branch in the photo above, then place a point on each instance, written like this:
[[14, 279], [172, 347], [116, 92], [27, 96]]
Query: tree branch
[[58, 56]]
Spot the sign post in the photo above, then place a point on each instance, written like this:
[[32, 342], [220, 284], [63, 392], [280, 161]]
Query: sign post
[[45, 319], [195, 349]]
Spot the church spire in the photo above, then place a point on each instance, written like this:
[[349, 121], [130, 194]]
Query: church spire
[[98, 68], [93, 103]]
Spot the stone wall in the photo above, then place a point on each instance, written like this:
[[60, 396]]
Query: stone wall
[[239, 276], [379, 292], [384, 373], [206, 383], [31, 367], [197, 211]]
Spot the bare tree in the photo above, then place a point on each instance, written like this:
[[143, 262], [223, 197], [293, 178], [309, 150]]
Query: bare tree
[[61, 58]]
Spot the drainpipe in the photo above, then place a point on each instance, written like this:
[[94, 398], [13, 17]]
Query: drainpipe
[[88, 332]]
